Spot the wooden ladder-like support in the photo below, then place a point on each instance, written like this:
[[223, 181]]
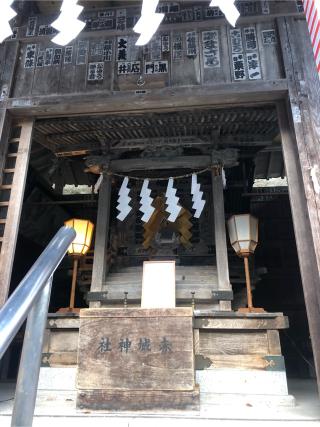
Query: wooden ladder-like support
[[7, 179], [12, 184]]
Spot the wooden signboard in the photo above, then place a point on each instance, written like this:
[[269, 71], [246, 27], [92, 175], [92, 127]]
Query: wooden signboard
[[136, 359]]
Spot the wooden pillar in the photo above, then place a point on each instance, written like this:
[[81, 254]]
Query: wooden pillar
[[99, 269], [220, 235], [13, 204], [302, 227], [300, 132]]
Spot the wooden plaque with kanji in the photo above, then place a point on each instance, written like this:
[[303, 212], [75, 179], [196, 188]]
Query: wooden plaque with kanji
[[132, 355]]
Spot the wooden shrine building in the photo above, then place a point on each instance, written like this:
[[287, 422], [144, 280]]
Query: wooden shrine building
[[84, 125]]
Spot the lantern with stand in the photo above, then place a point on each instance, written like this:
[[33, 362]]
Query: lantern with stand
[[78, 248], [243, 233]]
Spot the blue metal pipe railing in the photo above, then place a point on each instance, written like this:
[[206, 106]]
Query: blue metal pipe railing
[[31, 299]]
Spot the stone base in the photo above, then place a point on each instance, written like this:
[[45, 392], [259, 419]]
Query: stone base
[[248, 388], [242, 381], [241, 387], [263, 401], [62, 379]]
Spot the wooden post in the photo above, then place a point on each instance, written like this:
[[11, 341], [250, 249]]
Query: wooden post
[[248, 284], [74, 282], [300, 133], [14, 208], [99, 268], [220, 235]]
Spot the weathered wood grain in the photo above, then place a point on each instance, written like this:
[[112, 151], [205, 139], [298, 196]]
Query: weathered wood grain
[[234, 343], [300, 138], [136, 312], [63, 340], [203, 292], [23, 80], [100, 267], [221, 74], [12, 51], [187, 70], [133, 400], [245, 361], [270, 54], [5, 125], [211, 313], [220, 235], [66, 358], [234, 324], [63, 322], [127, 165], [14, 208], [196, 341], [166, 98], [274, 342], [132, 368]]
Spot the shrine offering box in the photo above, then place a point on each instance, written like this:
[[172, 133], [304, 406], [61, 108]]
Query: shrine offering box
[[136, 359]]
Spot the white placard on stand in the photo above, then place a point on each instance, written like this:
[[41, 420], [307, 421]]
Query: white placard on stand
[[158, 284]]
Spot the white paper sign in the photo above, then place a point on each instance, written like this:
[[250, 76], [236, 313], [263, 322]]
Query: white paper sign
[[158, 284]]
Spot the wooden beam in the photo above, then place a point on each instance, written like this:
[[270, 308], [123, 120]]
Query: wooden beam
[[165, 99], [99, 269], [150, 164], [14, 209], [220, 235], [81, 149]]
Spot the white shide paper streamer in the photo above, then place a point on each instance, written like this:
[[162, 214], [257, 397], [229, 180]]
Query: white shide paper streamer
[[198, 202], [146, 201], [172, 202], [124, 200]]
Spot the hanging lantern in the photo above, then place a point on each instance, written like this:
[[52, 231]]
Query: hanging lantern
[[82, 242], [243, 232]]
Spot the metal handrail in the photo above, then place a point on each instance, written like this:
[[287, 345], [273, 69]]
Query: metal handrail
[[31, 299]]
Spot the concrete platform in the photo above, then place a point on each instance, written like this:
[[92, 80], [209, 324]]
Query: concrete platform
[[58, 409]]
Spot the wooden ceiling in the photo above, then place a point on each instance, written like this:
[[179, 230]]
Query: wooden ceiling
[[234, 127], [61, 144]]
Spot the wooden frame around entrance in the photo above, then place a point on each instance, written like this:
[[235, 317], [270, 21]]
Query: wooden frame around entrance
[[302, 227], [297, 101]]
